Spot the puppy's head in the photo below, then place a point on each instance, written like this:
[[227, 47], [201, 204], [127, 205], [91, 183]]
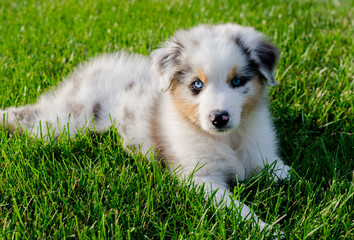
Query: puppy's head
[[216, 75]]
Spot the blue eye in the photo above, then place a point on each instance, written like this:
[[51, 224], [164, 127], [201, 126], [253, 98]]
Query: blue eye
[[235, 82], [238, 81], [197, 85]]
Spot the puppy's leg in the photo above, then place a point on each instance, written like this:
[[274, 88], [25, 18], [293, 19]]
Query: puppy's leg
[[258, 159], [261, 148], [68, 108], [224, 196]]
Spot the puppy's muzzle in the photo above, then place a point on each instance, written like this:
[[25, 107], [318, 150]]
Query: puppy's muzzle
[[219, 118]]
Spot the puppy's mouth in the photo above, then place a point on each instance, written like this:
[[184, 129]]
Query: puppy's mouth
[[220, 131]]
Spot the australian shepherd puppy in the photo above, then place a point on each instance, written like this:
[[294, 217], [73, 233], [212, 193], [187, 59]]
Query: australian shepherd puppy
[[200, 101]]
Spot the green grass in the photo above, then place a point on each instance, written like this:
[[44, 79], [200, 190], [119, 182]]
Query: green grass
[[88, 187]]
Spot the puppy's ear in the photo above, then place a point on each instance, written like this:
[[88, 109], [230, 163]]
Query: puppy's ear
[[266, 57], [263, 56], [166, 60]]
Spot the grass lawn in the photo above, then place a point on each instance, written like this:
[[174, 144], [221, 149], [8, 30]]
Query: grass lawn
[[89, 188]]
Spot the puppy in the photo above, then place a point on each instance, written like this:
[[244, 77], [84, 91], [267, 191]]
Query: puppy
[[200, 101]]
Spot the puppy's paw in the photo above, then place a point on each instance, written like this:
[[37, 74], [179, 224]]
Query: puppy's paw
[[282, 172], [271, 231]]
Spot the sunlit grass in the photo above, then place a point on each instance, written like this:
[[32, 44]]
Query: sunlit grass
[[88, 187]]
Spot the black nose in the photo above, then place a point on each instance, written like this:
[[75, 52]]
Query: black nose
[[219, 118]]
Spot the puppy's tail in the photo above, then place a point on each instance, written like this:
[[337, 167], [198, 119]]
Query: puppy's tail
[[39, 121], [53, 114]]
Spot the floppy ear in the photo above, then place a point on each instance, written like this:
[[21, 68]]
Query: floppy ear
[[166, 60], [263, 56], [266, 57]]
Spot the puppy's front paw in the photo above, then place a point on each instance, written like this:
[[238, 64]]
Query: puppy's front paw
[[270, 231], [282, 172]]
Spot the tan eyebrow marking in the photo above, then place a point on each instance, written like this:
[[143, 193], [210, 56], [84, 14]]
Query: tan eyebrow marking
[[231, 74], [202, 76]]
